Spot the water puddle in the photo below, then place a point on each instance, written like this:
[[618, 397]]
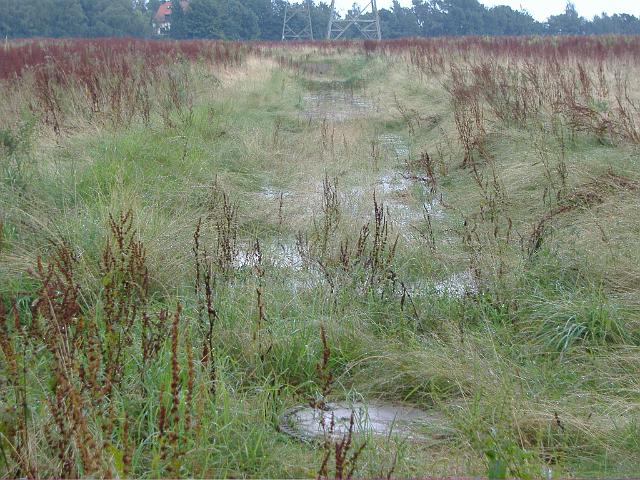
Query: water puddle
[[269, 192], [434, 208], [394, 143], [392, 182], [401, 214], [406, 208], [282, 254], [307, 423], [306, 281], [334, 105], [457, 285], [397, 195], [244, 257]]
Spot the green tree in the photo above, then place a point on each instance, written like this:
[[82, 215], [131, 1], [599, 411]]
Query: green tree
[[249, 19], [217, 19], [503, 20], [66, 19], [23, 18], [268, 16], [239, 22], [568, 23], [399, 22], [319, 20], [622, 24], [462, 17], [10, 24], [152, 6], [203, 19], [450, 17], [114, 18], [429, 18], [179, 27]]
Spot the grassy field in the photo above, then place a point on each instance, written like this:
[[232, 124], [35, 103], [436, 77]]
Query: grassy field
[[179, 229]]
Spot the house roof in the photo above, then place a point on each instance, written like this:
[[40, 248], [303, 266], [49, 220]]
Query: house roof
[[165, 9]]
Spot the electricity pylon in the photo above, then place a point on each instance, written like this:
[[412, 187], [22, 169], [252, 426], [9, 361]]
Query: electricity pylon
[[366, 22], [294, 16]]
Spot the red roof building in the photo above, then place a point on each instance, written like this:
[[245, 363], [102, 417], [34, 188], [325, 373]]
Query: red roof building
[[162, 18]]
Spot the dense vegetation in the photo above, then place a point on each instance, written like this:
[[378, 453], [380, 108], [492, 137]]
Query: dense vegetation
[[262, 19], [197, 236]]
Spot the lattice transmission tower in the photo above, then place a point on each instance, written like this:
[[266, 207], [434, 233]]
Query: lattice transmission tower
[[297, 22], [365, 20]]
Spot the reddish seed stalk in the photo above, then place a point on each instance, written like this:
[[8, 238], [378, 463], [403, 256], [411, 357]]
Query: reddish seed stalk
[[175, 377]]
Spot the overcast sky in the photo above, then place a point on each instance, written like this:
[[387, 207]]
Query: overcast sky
[[540, 9]]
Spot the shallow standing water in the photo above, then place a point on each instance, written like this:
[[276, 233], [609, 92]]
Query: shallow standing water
[[396, 144], [376, 418]]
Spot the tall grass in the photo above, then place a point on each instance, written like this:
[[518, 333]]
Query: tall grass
[[175, 233]]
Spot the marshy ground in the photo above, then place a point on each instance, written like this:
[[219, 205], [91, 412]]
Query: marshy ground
[[187, 254]]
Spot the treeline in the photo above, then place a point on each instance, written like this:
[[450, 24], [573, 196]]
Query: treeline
[[262, 19], [229, 19], [74, 18], [430, 18]]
